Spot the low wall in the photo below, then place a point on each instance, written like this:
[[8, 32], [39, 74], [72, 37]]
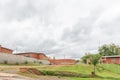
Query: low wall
[[12, 59]]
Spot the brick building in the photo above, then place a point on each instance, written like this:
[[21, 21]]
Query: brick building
[[35, 55], [111, 59], [62, 62], [5, 50]]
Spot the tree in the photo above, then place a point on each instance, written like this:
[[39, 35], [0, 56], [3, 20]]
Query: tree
[[94, 61], [108, 50], [86, 57]]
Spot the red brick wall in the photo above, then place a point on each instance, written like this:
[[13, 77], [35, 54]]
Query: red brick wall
[[111, 60], [40, 56], [34, 56], [62, 61], [5, 50], [117, 60]]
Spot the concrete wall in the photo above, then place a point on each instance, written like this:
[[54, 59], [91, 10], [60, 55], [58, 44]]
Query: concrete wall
[[12, 59]]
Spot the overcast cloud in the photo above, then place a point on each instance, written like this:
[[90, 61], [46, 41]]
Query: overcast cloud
[[59, 27]]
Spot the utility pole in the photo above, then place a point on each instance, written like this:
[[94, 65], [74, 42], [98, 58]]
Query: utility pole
[[99, 43], [64, 56]]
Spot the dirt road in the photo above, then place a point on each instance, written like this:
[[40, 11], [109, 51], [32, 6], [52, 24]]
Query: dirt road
[[10, 73], [7, 76]]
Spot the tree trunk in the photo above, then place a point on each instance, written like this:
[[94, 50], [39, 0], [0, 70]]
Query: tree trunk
[[94, 69], [93, 73]]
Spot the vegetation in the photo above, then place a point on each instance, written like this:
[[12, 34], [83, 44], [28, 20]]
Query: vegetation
[[17, 63], [5, 62], [21, 64], [94, 61], [62, 73], [40, 62], [26, 62], [105, 50], [77, 61], [86, 57], [108, 50], [104, 71]]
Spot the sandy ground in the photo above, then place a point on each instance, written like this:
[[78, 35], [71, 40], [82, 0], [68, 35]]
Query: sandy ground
[[11, 74], [7, 76]]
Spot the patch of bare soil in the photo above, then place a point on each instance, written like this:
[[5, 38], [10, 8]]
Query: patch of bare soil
[[7, 76], [49, 78]]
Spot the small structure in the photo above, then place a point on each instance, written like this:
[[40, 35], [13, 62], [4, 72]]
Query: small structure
[[111, 59], [35, 55], [62, 61], [5, 50]]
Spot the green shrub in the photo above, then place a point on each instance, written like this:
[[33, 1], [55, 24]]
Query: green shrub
[[5, 62], [17, 63], [61, 73], [48, 73], [34, 61], [40, 62], [26, 62]]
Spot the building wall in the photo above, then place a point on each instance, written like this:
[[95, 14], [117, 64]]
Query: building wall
[[43, 57], [5, 50], [39, 56], [13, 59], [62, 62], [112, 60]]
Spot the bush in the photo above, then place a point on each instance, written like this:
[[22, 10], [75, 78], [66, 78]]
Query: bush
[[17, 63], [34, 61], [48, 73], [61, 73], [5, 62], [26, 62], [40, 62]]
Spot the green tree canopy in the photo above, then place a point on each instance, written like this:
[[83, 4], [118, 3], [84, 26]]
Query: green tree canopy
[[95, 60], [87, 56], [108, 50]]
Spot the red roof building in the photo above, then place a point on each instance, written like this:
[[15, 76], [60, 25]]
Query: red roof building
[[62, 62], [35, 55], [5, 50], [111, 59]]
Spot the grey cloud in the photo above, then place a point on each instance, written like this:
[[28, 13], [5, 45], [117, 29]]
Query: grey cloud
[[25, 9], [58, 27]]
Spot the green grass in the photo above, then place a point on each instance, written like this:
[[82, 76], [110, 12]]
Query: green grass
[[104, 71]]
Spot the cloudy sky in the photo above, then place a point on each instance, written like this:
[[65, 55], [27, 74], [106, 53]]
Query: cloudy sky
[[59, 27]]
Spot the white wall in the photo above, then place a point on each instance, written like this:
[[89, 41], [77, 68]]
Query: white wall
[[13, 59]]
